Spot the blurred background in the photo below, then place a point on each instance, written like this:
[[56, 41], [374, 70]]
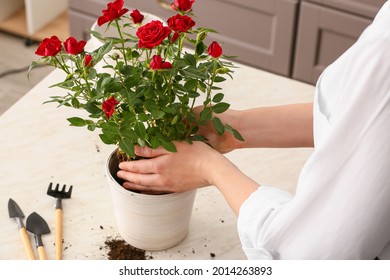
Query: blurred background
[[292, 38]]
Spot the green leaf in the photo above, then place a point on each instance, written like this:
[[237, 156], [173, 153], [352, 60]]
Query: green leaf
[[217, 124], [219, 79], [139, 128], [190, 59], [111, 132], [126, 70], [127, 146], [75, 121], [194, 73], [218, 97], [206, 114], [174, 120], [199, 48], [157, 114], [92, 108], [220, 107], [75, 103], [113, 86], [169, 146], [237, 135], [106, 140], [100, 52], [191, 84], [91, 127], [155, 143]]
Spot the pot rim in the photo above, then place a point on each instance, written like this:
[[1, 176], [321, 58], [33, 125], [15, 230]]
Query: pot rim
[[124, 191]]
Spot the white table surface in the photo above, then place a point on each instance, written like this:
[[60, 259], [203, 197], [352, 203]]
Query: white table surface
[[38, 147]]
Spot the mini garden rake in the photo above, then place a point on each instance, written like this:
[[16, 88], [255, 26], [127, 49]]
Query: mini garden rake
[[59, 195]]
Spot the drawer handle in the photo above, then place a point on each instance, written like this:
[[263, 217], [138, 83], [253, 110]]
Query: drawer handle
[[165, 5]]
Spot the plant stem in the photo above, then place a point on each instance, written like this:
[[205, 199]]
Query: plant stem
[[123, 50], [208, 97]]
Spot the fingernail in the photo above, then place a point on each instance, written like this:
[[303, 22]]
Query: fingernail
[[138, 150]]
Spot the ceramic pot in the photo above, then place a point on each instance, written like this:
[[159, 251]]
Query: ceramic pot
[[149, 222]]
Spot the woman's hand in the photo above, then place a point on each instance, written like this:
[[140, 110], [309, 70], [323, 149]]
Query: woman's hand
[[190, 167], [222, 143]]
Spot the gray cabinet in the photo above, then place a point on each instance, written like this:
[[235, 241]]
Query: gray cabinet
[[327, 28], [259, 32]]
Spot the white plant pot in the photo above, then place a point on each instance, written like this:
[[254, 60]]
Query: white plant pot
[[149, 222]]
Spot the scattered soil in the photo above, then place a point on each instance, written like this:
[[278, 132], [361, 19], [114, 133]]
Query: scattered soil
[[121, 250]]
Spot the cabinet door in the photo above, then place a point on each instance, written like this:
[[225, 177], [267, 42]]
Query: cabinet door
[[323, 35], [367, 8], [259, 32]]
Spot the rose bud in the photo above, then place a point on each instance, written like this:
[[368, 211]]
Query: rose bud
[[215, 50]]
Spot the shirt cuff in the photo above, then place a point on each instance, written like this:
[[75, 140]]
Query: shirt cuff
[[255, 213]]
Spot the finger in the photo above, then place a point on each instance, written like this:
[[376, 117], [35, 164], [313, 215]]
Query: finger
[[135, 187], [142, 189], [150, 152], [144, 166], [139, 179]]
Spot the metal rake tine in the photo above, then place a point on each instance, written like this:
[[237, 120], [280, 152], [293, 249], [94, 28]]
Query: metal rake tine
[[70, 189], [50, 188], [63, 189], [66, 192]]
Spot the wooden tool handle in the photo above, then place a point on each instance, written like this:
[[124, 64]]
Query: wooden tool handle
[[58, 228], [41, 253], [26, 243]]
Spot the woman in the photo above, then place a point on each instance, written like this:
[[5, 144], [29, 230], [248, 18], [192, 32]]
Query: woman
[[341, 209]]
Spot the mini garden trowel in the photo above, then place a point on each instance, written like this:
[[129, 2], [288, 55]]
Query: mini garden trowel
[[16, 213], [38, 226]]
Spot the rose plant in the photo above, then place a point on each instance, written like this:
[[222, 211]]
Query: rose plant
[[149, 96]]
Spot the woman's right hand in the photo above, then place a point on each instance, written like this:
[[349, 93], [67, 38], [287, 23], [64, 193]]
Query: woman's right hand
[[222, 143]]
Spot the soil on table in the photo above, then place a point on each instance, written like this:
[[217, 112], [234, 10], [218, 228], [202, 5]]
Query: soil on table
[[121, 250]]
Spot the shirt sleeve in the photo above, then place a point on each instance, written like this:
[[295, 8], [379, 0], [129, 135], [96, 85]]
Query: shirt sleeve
[[342, 203]]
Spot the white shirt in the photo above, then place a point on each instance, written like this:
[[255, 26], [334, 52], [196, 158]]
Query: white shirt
[[341, 208]]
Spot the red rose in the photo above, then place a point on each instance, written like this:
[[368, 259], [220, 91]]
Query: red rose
[[136, 16], [88, 62], [114, 10], [157, 63], [180, 23], [49, 47], [215, 50], [183, 5], [73, 47], [152, 34], [108, 106]]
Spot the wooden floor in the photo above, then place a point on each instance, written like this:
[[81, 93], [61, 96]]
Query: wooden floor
[[14, 54]]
